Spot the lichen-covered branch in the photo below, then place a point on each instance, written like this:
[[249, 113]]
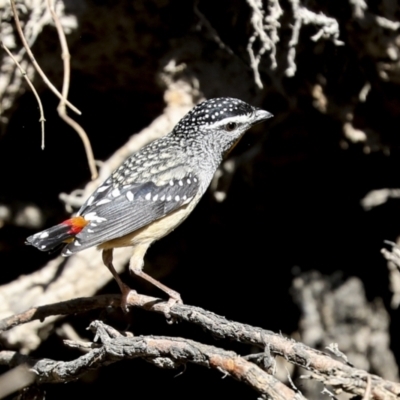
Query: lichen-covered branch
[[322, 366], [265, 35], [164, 352]]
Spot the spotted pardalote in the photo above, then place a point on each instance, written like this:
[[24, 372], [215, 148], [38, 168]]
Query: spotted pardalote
[[156, 188]]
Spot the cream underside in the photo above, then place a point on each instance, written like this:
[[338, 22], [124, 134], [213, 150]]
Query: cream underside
[[152, 232]]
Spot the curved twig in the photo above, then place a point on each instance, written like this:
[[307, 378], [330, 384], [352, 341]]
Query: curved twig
[[34, 62], [65, 55]]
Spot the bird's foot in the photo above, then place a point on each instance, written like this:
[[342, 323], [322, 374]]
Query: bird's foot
[[174, 298], [125, 291]]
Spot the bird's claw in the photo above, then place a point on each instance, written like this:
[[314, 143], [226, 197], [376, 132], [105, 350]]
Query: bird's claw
[[175, 298], [125, 291]]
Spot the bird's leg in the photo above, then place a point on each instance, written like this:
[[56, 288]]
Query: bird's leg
[[107, 260], [136, 265], [174, 297]]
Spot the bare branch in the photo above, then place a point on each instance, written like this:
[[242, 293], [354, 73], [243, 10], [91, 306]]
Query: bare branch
[[323, 367], [164, 352], [15, 379], [393, 258], [69, 307], [65, 55], [266, 32], [328, 28], [359, 6], [33, 60], [375, 198]]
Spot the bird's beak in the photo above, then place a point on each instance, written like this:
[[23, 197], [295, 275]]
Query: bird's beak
[[261, 116]]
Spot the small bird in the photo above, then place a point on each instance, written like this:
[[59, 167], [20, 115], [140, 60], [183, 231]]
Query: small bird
[[155, 189]]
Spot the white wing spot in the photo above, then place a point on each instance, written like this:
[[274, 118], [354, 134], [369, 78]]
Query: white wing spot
[[90, 201], [155, 197], [68, 252], [184, 197], [195, 180], [93, 217], [177, 198], [171, 182], [102, 188], [90, 230], [148, 196], [189, 181], [169, 198], [180, 183], [115, 193], [77, 242], [103, 201], [129, 196], [43, 246], [44, 235], [93, 224]]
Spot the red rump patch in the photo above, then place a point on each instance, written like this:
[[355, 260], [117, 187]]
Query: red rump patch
[[76, 224]]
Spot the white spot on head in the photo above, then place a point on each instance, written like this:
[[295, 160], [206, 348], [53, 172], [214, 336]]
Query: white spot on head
[[148, 196], [155, 197], [44, 235], [177, 198], [129, 196]]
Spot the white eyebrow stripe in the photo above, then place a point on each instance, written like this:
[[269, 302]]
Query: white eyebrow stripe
[[236, 118]]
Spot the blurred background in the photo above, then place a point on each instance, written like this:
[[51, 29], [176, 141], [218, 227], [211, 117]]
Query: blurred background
[[288, 237]]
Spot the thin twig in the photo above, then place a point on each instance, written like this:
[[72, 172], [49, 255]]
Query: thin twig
[[28, 81], [65, 55], [34, 62], [69, 307], [211, 29], [367, 394]]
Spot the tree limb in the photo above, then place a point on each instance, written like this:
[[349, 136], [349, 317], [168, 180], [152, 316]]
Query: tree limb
[[323, 367], [164, 352]]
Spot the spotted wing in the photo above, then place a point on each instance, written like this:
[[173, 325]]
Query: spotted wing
[[122, 211]]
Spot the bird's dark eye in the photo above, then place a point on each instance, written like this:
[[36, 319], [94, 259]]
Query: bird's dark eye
[[230, 126]]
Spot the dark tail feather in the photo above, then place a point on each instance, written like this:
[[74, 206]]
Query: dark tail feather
[[51, 238]]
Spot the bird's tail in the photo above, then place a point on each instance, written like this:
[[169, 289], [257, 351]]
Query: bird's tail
[[51, 238]]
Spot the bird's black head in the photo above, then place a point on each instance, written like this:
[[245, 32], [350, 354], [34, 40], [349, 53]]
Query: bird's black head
[[219, 123]]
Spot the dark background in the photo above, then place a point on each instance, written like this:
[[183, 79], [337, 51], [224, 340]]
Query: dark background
[[292, 209]]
